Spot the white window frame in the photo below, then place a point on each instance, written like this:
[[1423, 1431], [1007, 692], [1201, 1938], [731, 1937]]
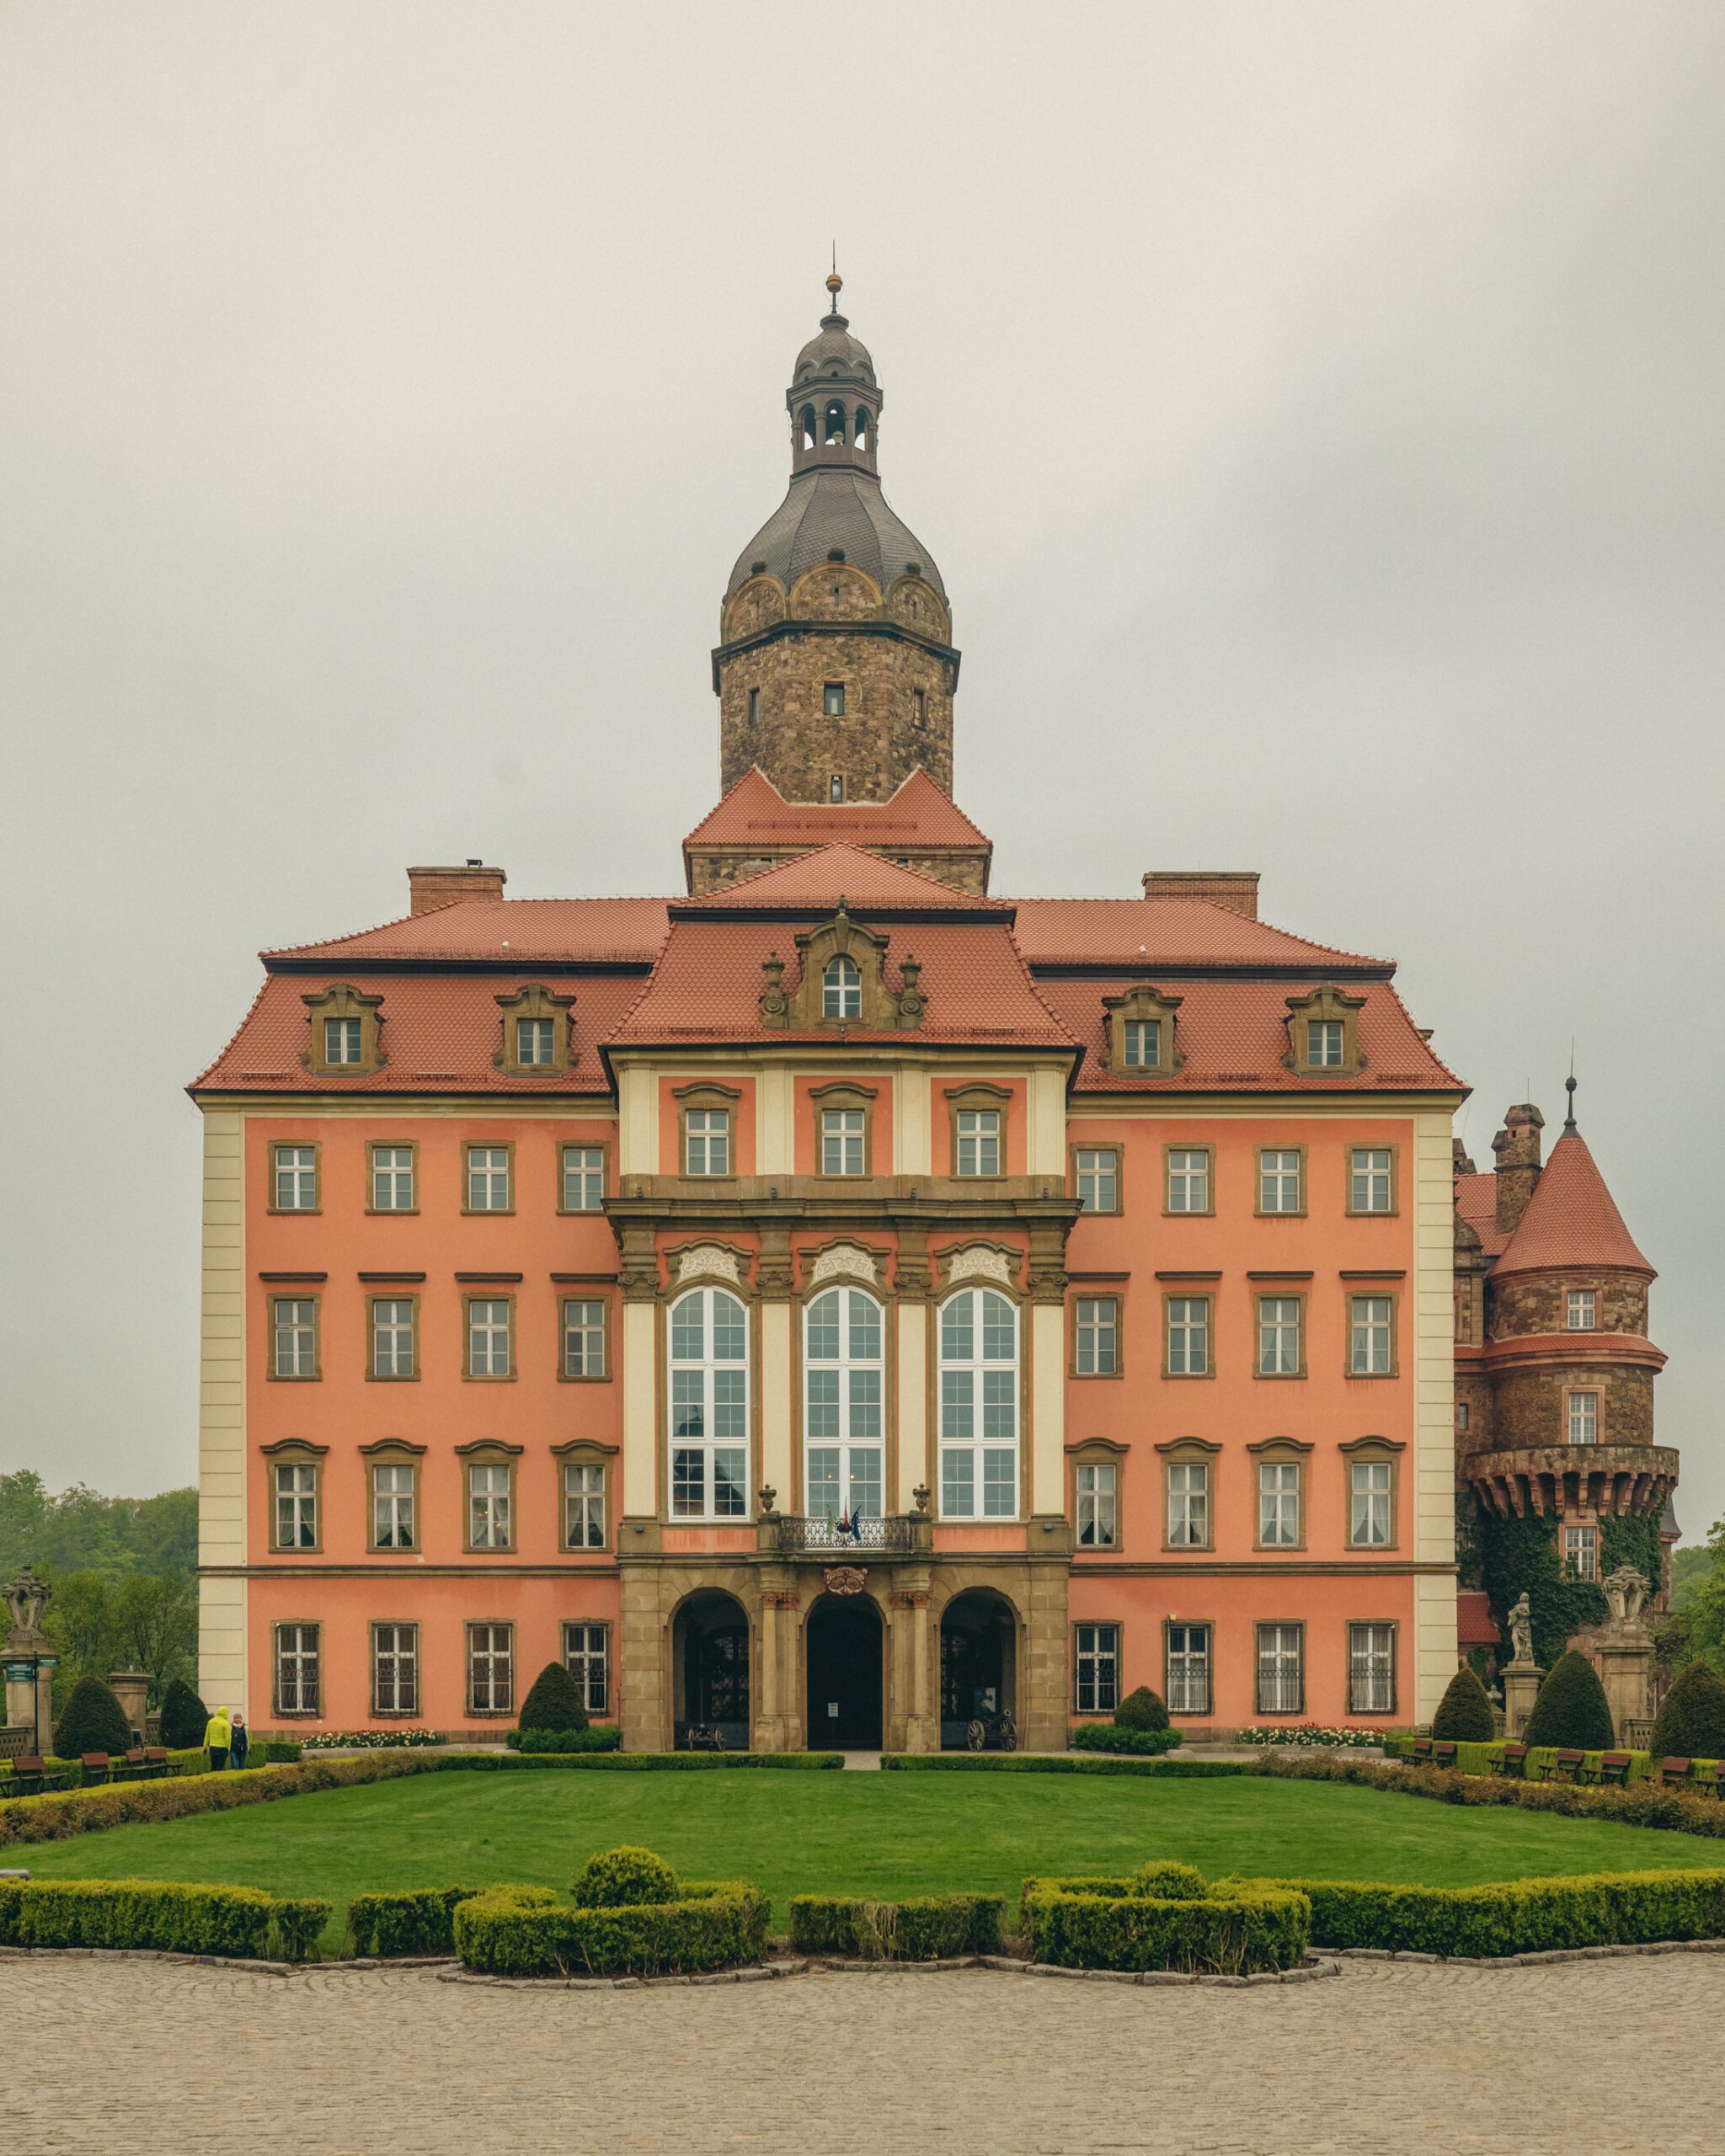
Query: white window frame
[[1581, 1308], [294, 1171], [1097, 1174], [393, 1505], [1096, 1489], [536, 1043], [1096, 1668], [1371, 1667], [1326, 1043], [1278, 1343], [298, 1672], [488, 1179], [1096, 1336], [392, 1173], [294, 1489], [832, 700], [1279, 1496], [295, 1336], [844, 1403], [343, 1043], [586, 1656], [1581, 1419], [583, 1322], [1371, 1504], [491, 1669], [1279, 1661], [490, 1341], [1186, 1668], [707, 1141], [1371, 1178], [1188, 1345], [582, 1168], [1186, 1489], [1188, 1173], [1371, 1335], [584, 1504], [844, 1138], [840, 987], [1280, 1179], [1581, 1552], [395, 1669], [490, 1505], [979, 1405], [395, 1348], [706, 1390], [977, 1142], [1141, 1043]]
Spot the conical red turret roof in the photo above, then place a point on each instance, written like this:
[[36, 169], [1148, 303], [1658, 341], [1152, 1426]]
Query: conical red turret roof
[[1571, 1220]]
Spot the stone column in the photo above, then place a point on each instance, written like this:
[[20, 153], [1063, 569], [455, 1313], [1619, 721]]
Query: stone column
[[1521, 1684], [1626, 1671], [910, 1723], [132, 1688]]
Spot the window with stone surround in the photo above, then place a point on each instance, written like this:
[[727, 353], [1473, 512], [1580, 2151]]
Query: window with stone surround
[[1186, 1662], [586, 1654], [1279, 1504], [395, 1669], [1096, 1668], [1096, 1497], [583, 1189], [584, 1504], [1581, 1552], [1189, 1179], [295, 1511], [842, 1136], [489, 1179], [1187, 1485], [1281, 1352], [1281, 1179], [843, 1411], [1371, 1352], [1581, 1310], [491, 1504], [294, 1336], [1324, 1034], [491, 1669], [977, 1142], [1095, 1176], [394, 1328], [1281, 1669], [490, 1329], [978, 1406], [708, 1347], [832, 700], [394, 1504], [840, 988], [1371, 1669], [298, 1663], [294, 1179], [1096, 1337], [392, 1179], [1187, 1336], [1584, 1418], [1371, 1179], [707, 1141], [584, 1336], [1371, 1502], [345, 1028]]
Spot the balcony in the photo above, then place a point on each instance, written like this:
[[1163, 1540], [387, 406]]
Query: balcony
[[898, 1534], [1600, 1479]]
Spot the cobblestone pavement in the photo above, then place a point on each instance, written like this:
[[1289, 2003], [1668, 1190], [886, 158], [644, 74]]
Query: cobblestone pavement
[[1599, 2057]]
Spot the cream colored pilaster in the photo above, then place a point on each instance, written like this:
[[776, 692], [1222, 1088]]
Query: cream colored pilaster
[[1432, 1196], [640, 1497], [1048, 1405], [913, 1144], [775, 1128], [913, 1403], [222, 1409], [1045, 1142], [638, 1123], [776, 1463]]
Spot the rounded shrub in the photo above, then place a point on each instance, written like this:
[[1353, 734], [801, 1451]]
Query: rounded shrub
[[184, 1717], [1164, 1880], [1571, 1709], [93, 1721], [623, 1878], [1691, 1718], [555, 1702], [1141, 1709], [1464, 1712]]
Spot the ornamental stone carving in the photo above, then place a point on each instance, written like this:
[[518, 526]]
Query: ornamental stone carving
[[845, 1579], [27, 1597], [843, 1261], [1626, 1597], [711, 1259], [980, 1263]]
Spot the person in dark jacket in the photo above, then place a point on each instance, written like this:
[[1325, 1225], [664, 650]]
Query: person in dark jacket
[[239, 1742]]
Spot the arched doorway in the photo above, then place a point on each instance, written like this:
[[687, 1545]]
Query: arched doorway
[[710, 1672], [842, 1650], [979, 1656]]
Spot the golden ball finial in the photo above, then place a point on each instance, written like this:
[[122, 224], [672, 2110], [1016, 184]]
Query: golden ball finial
[[834, 284]]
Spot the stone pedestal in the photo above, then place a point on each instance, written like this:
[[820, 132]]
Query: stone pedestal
[[132, 1688], [1626, 1671], [1521, 1684]]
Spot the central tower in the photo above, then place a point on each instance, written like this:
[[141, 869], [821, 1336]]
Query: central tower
[[836, 669]]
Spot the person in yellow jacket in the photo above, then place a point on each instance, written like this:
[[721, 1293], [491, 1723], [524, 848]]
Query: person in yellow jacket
[[218, 1738]]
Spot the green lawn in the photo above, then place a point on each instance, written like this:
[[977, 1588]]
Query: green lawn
[[888, 1835]]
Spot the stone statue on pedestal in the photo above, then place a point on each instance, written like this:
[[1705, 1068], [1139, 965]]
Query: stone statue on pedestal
[[27, 1597], [1521, 1630], [1626, 1598]]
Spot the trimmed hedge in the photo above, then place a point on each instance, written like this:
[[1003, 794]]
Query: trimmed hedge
[[137, 1913], [1118, 1737], [421, 1922], [93, 1721], [926, 1928], [1691, 1723], [623, 1878], [1642, 1804], [527, 1931], [1464, 1712], [1059, 1762], [298, 1920], [1570, 1710], [554, 1701], [605, 1736], [1236, 1928], [1517, 1916], [1142, 1709], [185, 1717]]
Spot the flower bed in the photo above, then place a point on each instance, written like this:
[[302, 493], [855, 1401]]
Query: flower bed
[[927, 1928], [374, 1740], [1312, 1736], [529, 1931], [159, 1915]]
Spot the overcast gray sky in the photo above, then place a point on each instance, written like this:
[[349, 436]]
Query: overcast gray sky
[[1315, 411]]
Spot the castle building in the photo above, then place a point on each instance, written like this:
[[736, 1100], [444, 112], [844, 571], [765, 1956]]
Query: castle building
[[836, 1303]]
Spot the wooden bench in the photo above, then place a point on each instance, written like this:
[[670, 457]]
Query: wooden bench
[[1444, 1754], [1422, 1751], [1710, 1779], [1567, 1766], [154, 1765], [1675, 1773], [33, 1775], [99, 1767], [1514, 1763], [1614, 1768]]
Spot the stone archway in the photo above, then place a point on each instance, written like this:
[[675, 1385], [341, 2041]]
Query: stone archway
[[979, 1659], [710, 1690], [844, 1648]]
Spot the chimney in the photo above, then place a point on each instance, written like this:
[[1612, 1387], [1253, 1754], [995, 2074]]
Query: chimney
[[1517, 1146], [1458, 1154], [440, 887], [1236, 888]]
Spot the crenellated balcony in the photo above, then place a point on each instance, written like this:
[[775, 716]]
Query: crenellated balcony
[[1600, 1479]]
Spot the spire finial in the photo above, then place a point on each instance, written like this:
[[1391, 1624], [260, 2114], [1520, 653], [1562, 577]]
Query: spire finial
[[1569, 1088], [834, 284]]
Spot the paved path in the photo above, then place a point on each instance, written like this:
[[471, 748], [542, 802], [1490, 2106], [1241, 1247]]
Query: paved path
[[1599, 2056]]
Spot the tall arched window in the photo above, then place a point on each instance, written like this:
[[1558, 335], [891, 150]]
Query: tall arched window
[[841, 989], [807, 424], [978, 1406], [863, 425], [709, 1407], [834, 429], [843, 1363]]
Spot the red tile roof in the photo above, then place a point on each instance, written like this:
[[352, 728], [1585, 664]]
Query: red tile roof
[[1571, 1220], [1475, 1626], [1164, 932], [1477, 1202], [818, 880], [530, 930], [754, 813]]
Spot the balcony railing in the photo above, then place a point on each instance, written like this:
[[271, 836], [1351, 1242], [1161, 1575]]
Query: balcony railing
[[896, 1535]]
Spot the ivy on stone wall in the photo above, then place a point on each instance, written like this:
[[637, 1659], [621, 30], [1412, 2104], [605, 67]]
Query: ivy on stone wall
[[1518, 1555]]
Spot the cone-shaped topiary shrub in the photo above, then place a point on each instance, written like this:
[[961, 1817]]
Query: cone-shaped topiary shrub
[[93, 1721], [1570, 1708], [1141, 1709], [555, 1701], [1692, 1721], [622, 1878], [184, 1717], [1464, 1712]]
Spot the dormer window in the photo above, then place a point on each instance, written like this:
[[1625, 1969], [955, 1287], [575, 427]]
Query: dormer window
[[1323, 1044], [1140, 1032], [1141, 1043], [832, 703], [535, 1031], [341, 1041], [533, 1041], [841, 989], [1324, 1034], [345, 1027]]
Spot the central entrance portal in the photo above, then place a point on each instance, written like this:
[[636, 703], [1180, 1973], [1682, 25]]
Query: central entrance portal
[[843, 1648]]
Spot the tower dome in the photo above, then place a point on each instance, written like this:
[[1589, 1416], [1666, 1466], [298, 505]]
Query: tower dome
[[835, 670]]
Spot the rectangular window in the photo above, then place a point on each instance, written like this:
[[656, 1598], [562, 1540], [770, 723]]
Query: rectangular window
[[1278, 1505], [1281, 1680], [487, 1508], [489, 1337], [1098, 1171], [295, 1506], [707, 1142], [296, 1669], [584, 1339], [395, 1669], [1323, 1044], [1369, 1494], [1189, 1336], [978, 1142], [1462, 1415], [1278, 1181], [392, 1507], [491, 1669], [393, 1337], [1142, 1043], [1187, 1675], [1372, 1352], [1584, 1418], [295, 1179], [754, 707], [1188, 1179], [1371, 1669], [587, 1653], [341, 1040], [841, 1135], [582, 1505], [296, 1332], [689, 1472], [536, 1045], [1370, 1187], [1582, 1306], [1278, 1335], [1096, 1488], [488, 1179], [832, 701], [583, 1179], [1189, 1504], [1581, 1552], [1096, 1668], [391, 1179], [1098, 1335]]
